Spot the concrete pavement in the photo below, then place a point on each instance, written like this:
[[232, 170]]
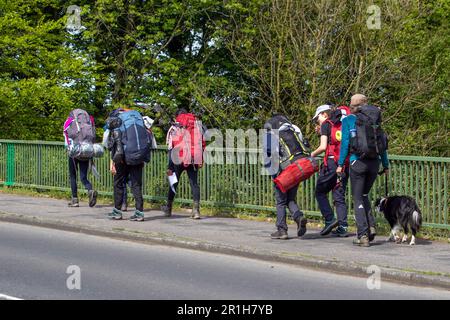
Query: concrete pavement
[[427, 263]]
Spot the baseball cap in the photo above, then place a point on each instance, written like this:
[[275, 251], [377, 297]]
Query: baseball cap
[[321, 109]]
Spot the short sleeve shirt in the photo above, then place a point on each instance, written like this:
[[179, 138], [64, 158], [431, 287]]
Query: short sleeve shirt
[[325, 130]]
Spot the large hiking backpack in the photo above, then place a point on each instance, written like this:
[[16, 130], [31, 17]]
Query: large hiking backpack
[[334, 143], [81, 132], [187, 141], [81, 129], [291, 143], [135, 138], [370, 141]]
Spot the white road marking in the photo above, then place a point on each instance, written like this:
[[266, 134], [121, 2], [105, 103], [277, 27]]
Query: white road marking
[[6, 297]]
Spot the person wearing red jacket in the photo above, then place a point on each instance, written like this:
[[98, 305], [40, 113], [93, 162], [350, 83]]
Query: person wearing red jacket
[[329, 119]]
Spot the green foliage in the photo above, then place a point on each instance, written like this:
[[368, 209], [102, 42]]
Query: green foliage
[[233, 62], [36, 70]]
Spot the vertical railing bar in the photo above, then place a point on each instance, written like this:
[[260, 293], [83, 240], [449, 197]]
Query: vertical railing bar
[[439, 192], [41, 164], [434, 192], [446, 199]]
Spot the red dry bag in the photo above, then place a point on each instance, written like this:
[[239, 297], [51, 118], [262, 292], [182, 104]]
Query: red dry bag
[[296, 172]]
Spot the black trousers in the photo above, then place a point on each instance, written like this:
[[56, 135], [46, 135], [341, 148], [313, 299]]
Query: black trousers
[[192, 172], [363, 174], [283, 201], [83, 167], [326, 183], [125, 191], [134, 173]]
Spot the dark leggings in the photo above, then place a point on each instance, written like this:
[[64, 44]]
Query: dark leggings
[[192, 173], [125, 191], [83, 167], [363, 174]]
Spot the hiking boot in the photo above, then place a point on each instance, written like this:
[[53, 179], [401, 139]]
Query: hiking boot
[[74, 203], [115, 214], [92, 198], [301, 225], [196, 211], [167, 209], [328, 227], [138, 216], [280, 234], [362, 242], [340, 232], [373, 233]]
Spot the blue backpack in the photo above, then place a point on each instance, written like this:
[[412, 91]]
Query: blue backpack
[[135, 138]]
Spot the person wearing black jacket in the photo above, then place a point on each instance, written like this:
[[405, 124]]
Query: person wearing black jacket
[[122, 171], [277, 157]]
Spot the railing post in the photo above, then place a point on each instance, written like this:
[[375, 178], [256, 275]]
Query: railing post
[[39, 165], [206, 181], [10, 164]]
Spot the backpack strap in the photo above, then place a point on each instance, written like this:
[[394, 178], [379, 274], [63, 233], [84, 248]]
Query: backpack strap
[[327, 150]]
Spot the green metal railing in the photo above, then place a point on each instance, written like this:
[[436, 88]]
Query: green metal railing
[[44, 165]]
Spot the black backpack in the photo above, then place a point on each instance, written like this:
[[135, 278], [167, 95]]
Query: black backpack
[[292, 145], [370, 140]]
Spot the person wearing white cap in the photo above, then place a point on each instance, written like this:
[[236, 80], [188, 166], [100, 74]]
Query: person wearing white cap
[[328, 119], [321, 110]]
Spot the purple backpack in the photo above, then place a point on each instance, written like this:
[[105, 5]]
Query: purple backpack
[[82, 128]]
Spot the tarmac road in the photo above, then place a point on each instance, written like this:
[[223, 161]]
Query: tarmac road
[[34, 264]]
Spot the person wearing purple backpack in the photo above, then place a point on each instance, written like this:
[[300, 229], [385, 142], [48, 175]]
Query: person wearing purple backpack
[[79, 138]]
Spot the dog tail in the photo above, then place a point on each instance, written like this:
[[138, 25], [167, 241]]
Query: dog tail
[[417, 218]]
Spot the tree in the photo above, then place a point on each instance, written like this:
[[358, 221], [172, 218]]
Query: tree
[[233, 62], [42, 77]]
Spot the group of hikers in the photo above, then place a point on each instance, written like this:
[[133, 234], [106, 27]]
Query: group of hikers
[[351, 139]]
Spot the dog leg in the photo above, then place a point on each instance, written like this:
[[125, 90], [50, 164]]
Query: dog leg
[[395, 232], [391, 236], [413, 241], [405, 238]]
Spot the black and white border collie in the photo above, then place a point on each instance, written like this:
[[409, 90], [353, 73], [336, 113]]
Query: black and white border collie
[[401, 212]]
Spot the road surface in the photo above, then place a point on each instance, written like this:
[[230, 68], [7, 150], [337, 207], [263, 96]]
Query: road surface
[[39, 263]]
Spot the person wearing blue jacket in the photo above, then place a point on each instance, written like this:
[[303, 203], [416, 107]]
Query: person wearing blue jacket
[[363, 171]]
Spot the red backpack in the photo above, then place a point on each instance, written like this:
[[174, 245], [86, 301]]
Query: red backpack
[[334, 145], [188, 140]]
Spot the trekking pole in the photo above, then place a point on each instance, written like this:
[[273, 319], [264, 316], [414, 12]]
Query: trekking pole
[[339, 183]]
